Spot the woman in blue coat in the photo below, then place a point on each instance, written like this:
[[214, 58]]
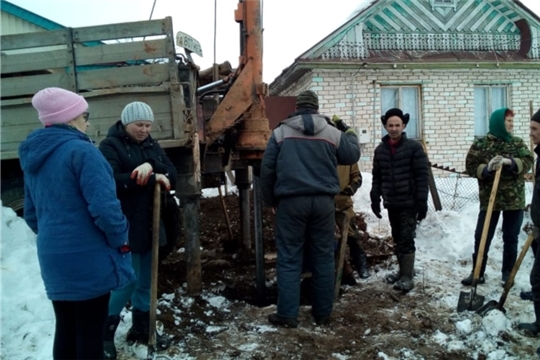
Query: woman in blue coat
[[70, 203]]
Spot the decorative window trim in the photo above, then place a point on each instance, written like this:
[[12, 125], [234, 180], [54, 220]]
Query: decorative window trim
[[438, 3]]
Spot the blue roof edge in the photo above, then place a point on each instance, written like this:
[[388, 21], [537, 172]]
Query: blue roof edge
[[29, 16]]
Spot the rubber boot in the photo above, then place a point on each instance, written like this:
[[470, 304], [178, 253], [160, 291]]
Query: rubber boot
[[139, 331], [406, 268], [481, 279], [361, 266], [347, 276], [109, 350], [533, 328], [393, 278]]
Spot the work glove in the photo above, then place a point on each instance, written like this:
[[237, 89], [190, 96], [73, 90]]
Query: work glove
[[142, 173], [164, 181], [495, 163], [506, 162], [340, 125], [421, 211], [376, 208], [349, 191]]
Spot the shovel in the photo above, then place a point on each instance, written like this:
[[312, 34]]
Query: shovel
[[492, 304], [155, 259], [471, 301], [344, 228]]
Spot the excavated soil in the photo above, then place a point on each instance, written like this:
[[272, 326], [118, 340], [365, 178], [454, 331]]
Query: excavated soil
[[368, 319]]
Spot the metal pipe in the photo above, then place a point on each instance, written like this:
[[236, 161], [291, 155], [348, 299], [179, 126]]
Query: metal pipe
[[243, 182], [210, 86], [245, 217], [259, 249]]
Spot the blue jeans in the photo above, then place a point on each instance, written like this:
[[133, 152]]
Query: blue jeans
[[511, 227], [305, 221], [139, 290]]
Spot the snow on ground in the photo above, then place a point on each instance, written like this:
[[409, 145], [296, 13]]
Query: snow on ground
[[444, 247]]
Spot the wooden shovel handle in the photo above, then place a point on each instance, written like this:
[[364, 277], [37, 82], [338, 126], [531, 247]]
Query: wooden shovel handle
[[510, 282], [154, 275], [485, 230]]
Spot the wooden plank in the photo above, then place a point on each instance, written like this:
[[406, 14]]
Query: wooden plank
[[29, 85], [120, 52], [34, 39], [35, 61], [120, 31], [123, 76]]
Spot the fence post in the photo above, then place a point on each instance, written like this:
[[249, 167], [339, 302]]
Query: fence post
[[431, 182]]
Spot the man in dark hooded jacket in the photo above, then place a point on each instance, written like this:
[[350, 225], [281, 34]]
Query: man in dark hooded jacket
[[299, 179], [534, 327]]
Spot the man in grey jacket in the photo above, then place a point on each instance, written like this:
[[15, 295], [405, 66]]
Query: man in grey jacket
[[299, 179]]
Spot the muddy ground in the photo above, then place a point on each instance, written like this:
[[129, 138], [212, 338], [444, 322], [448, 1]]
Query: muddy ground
[[369, 319]]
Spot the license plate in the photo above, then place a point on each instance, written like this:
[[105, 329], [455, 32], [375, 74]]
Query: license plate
[[188, 43]]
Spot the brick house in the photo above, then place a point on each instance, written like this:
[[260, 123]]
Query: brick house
[[448, 63]]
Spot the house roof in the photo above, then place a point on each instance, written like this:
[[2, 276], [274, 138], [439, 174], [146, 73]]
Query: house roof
[[378, 20], [29, 16]]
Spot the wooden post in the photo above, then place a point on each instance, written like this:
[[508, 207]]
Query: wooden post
[[432, 185]]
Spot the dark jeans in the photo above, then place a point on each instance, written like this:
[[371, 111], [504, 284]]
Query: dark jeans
[[79, 328], [403, 223], [305, 221], [511, 227]]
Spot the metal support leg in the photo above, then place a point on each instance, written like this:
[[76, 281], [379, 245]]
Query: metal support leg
[[243, 181], [259, 249]]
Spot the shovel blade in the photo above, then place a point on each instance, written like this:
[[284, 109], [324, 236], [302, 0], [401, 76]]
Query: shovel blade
[[487, 307], [466, 303]]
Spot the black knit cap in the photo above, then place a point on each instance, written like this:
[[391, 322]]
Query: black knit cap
[[536, 116], [307, 99], [395, 112]]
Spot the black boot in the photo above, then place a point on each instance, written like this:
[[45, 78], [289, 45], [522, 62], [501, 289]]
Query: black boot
[[533, 328], [347, 276], [406, 268], [109, 350], [526, 295], [358, 256], [139, 331], [361, 266], [481, 279]]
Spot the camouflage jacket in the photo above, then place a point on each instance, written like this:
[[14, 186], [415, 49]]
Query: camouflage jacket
[[350, 180], [511, 191]]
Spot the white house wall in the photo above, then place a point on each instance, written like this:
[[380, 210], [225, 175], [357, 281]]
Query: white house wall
[[15, 25], [447, 104]]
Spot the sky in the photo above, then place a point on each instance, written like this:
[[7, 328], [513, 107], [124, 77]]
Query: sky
[[444, 244], [290, 26]]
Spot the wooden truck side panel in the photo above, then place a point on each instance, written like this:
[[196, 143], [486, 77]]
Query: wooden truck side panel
[[110, 65]]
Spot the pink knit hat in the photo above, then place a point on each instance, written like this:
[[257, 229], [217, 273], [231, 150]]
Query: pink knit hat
[[58, 106]]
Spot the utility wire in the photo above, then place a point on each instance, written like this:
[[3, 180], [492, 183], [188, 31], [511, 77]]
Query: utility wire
[[152, 12]]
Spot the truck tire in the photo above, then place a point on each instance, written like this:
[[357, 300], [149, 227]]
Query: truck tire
[[13, 194]]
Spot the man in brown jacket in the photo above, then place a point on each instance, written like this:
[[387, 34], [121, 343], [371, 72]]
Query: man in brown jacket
[[350, 180]]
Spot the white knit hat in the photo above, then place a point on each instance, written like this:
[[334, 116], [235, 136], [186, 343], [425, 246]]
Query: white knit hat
[[136, 111]]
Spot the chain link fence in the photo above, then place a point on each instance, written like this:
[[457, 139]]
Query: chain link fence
[[457, 190]]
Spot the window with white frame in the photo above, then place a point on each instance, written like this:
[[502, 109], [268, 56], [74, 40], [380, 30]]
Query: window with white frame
[[486, 100], [406, 98]]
